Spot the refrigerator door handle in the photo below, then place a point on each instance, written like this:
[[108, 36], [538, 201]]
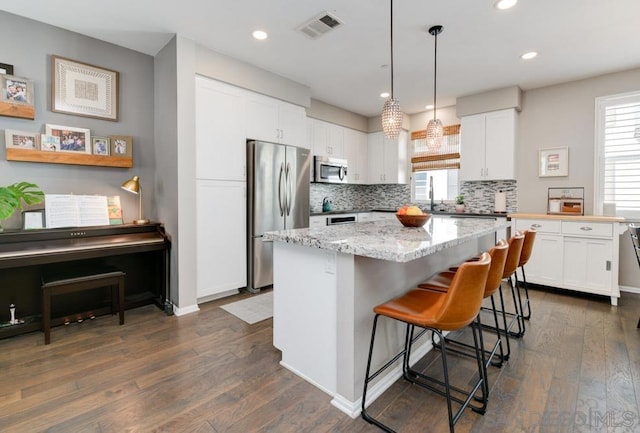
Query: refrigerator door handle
[[288, 192], [280, 179]]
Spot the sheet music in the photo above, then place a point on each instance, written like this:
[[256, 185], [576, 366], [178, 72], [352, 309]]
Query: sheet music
[[65, 210]]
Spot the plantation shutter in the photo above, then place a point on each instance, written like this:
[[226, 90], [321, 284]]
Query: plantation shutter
[[621, 150]]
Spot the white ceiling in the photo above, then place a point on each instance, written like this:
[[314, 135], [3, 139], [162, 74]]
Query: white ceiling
[[479, 49]]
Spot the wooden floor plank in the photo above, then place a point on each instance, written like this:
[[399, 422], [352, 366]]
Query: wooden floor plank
[[209, 372]]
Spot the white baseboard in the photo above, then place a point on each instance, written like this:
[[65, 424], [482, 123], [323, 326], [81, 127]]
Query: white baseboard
[[628, 289], [181, 311]]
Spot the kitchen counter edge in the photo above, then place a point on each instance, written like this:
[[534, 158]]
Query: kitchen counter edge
[[542, 216]]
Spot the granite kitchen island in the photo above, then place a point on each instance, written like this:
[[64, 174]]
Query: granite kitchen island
[[328, 279]]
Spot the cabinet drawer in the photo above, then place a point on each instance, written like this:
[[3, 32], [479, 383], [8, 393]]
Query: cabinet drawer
[[541, 226], [582, 228]]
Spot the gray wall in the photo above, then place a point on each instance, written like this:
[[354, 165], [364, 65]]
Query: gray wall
[[30, 53], [166, 137], [564, 115]]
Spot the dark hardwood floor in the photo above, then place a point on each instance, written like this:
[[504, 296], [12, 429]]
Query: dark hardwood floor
[[577, 369]]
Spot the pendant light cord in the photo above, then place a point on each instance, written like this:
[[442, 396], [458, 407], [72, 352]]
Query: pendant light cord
[[391, 48], [435, 74]]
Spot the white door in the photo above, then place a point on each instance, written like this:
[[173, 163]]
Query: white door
[[375, 145], [262, 117], [355, 149], [293, 125], [221, 237], [472, 147], [220, 133], [500, 144], [545, 265]]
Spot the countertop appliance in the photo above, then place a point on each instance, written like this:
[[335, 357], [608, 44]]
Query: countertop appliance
[[277, 199], [565, 201], [329, 170]]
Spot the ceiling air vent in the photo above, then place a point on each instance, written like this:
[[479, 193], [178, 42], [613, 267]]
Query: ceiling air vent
[[320, 25]]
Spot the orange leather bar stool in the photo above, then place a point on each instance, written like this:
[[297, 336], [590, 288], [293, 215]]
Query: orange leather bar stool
[[513, 259], [436, 312], [441, 282], [527, 248]]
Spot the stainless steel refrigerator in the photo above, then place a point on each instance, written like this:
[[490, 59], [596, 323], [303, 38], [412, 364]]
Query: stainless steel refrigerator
[[277, 199]]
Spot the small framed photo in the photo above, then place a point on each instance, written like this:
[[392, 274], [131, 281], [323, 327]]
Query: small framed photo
[[84, 90], [16, 97], [49, 143], [553, 162], [100, 145], [77, 140], [21, 139], [5, 68], [121, 145], [33, 219]]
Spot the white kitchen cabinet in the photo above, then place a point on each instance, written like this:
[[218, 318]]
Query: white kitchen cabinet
[[487, 145], [382, 216], [387, 159], [316, 221], [357, 154], [574, 254], [270, 119], [219, 131], [587, 264], [328, 138], [221, 257]]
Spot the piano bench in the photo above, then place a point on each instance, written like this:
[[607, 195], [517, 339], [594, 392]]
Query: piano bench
[[80, 280]]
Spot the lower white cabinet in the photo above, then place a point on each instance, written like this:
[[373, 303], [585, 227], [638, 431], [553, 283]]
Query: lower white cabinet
[[316, 221], [221, 267], [574, 254]]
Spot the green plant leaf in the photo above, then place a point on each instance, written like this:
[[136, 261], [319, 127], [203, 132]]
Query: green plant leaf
[[12, 197]]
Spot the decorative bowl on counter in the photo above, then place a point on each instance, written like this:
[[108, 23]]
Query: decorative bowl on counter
[[413, 220]]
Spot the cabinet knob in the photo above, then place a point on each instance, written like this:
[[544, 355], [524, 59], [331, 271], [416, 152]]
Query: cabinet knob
[[586, 229], [536, 226]]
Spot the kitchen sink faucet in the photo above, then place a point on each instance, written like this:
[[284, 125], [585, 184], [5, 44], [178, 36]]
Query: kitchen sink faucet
[[431, 206]]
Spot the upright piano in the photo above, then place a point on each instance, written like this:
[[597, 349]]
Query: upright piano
[[142, 251]]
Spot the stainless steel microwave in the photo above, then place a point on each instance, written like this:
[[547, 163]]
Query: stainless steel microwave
[[330, 170]]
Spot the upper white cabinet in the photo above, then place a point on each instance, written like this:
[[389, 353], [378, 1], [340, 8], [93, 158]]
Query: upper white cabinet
[[273, 120], [327, 138], [487, 145], [387, 159], [357, 153], [219, 131]]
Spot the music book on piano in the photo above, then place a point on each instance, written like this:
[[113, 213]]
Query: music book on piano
[[68, 210]]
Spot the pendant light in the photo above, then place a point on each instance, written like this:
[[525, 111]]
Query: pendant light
[[434, 127], [391, 114]]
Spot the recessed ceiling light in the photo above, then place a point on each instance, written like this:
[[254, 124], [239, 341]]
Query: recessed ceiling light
[[528, 56], [428, 107], [260, 35], [385, 94], [504, 4]]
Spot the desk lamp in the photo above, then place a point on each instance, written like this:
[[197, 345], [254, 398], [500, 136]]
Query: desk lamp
[[133, 185]]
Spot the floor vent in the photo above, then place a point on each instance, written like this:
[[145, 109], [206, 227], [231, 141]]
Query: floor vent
[[319, 25]]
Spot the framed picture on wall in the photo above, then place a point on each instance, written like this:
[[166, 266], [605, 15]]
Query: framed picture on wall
[[121, 145], [553, 162], [77, 140], [21, 139], [6, 68], [17, 98], [100, 146], [84, 90]]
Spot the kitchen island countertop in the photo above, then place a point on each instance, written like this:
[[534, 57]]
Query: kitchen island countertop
[[389, 240]]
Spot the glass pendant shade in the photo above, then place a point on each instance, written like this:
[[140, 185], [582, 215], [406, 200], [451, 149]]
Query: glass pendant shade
[[391, 118], [435, 134]]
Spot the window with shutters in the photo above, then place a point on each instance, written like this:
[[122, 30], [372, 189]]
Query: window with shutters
[[442, 165], [617, 164]]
